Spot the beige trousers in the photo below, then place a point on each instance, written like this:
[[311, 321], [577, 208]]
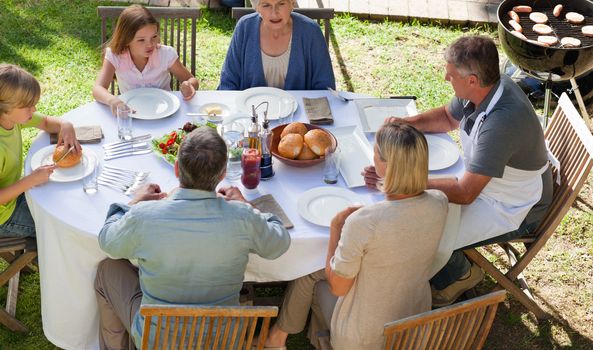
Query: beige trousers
[[119, 295], [309, 292]]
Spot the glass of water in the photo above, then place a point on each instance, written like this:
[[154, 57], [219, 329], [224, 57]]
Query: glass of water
[[233, 135], [89, 183], [124, 122]]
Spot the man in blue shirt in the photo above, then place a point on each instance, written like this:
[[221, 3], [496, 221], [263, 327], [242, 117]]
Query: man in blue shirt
[[191, 246]]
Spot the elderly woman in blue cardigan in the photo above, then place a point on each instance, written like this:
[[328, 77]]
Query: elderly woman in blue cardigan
[[278, 48]]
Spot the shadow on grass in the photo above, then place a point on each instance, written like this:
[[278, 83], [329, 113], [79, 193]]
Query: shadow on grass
[[340, 58]]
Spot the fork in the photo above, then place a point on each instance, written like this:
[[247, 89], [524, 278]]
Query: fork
[[127, 189], [115, 169]]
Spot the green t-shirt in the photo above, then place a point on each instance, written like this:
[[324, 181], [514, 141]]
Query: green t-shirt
[[11, 160]]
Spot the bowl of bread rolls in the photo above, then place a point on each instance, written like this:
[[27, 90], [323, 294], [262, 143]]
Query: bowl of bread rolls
[[300, 144]]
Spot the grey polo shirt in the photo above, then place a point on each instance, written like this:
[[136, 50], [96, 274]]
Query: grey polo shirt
[[509, 136]]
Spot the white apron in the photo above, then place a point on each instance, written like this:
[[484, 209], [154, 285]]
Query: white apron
[[504, 203]]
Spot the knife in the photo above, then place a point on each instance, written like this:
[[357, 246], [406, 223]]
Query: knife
[[403, 97], [132, 140], [126, 154], [64, 155]]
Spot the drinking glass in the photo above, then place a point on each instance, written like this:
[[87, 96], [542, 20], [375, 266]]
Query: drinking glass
[[250, 161], [286, 107], [233, 135], [332, 165], [89, 183], [124, 122]]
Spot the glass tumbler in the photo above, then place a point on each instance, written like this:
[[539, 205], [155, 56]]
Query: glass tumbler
[[124, 122], [233, 135], [332, 165], [250, 161]]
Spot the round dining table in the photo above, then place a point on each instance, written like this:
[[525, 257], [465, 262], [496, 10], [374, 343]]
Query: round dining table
[[68, 220]]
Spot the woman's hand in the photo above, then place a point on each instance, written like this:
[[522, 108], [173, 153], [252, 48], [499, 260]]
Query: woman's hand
[[187, 90], [41, 175], [232, 193], [113, 103], [395, 120], [67, 136], [371, 179], [148, 192]]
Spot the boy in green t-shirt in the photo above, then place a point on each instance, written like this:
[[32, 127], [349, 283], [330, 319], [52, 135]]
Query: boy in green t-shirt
[[19, 93]]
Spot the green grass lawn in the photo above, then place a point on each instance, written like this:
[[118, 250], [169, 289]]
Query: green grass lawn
[[59, 42]]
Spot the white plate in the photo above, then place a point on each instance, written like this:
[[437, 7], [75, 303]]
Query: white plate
[[441, 153], [356, 153], [44, 157], [319, 205], [151, 103], [257, 95], [373, 111]]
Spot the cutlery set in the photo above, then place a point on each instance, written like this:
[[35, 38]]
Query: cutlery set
[[136, 146], [124, 180]]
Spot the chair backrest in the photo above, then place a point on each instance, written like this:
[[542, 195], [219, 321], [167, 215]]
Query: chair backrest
[[460, 326], [572, 143], [176, 24], [319, 14], [208, 327]]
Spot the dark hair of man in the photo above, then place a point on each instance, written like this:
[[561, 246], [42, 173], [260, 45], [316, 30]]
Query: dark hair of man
[[475, 55], [202, 159]]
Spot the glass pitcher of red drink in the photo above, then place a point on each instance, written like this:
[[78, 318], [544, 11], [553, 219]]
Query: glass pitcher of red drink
[[250, 161]]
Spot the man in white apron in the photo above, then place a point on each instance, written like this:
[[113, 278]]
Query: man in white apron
[[507, 185]]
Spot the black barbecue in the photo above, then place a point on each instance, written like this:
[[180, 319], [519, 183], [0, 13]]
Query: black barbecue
[[553, 63]]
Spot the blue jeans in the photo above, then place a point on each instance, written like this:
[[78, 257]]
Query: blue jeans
[[20, 223], [458, 265]]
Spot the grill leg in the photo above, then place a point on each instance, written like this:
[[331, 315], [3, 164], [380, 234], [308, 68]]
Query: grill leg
[[577, 93]]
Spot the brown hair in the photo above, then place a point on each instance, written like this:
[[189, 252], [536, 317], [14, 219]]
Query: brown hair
[[406, 152], [18, 88], [475, 55], [130, 21], [201, 160]]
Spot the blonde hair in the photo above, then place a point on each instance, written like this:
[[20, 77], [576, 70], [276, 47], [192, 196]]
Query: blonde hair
[[18, 88], [130, 21], [406, 152]]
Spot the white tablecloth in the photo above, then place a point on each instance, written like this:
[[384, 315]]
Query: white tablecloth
[[68, 220]]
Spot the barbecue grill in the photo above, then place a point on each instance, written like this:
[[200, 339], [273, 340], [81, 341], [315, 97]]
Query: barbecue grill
[[554, 63]]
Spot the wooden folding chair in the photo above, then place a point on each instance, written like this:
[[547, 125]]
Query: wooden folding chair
[[318, 14], [18, 253], [572, 143], [176, 24], [207, 327], [459, 326]]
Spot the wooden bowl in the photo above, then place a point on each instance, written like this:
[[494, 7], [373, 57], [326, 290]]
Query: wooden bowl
[[296, 162]]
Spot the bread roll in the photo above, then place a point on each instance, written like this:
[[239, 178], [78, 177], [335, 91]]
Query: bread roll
[[542, 29], [519, 35], [514, 16], [575, 18], [69, 161], [538, 17], [548, 40], [306, 153], [516, 26], [570, 42], [522, 8], [587, 30], [290, 146], [318, 140], [294, 128], [557, 10]]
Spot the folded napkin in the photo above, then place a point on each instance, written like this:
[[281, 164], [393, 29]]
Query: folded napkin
[[84, 134], [318, 111], [267, 204]]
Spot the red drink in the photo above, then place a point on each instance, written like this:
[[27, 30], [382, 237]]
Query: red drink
[[250, 163]]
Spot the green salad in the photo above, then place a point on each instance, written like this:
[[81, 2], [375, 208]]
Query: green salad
[[167, 145]]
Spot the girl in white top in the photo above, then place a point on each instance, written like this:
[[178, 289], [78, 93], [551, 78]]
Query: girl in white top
[[136, 57]]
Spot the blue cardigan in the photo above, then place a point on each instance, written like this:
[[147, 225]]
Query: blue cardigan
[[309, 66]]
